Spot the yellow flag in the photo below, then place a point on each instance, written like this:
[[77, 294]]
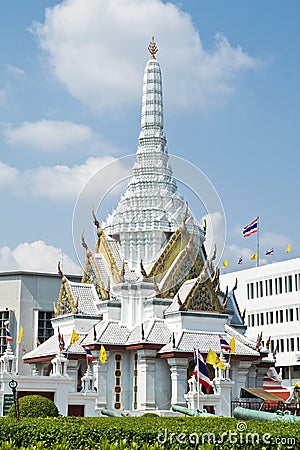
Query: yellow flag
[[232, 345], [102, 356], [288, 249], [20, 337], [225, 263], [214, 360], [254, 256], [74, 337]]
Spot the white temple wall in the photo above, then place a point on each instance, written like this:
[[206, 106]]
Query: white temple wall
[[162, 385], [191, 320]]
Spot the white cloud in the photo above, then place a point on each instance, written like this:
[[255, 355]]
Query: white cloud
[[95, 49], [61, 182], [15, 70], [35, 256], [55, 136]]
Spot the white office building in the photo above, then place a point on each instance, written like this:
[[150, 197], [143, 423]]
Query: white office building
[[270, 297], [26, 300]]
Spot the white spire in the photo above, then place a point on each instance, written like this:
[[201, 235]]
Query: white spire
[[151, 208]]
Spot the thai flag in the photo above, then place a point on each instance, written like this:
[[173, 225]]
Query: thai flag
[[270, 252], [240, 261], [89, 355], [224, 345], [61, 342], [251, 228], [200, 371], [8, 335]]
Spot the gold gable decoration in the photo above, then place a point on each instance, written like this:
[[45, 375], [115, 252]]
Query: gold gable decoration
[[103, 247], [66, 304], [188, 265], [203, 296], [91, 273], [177, 241]]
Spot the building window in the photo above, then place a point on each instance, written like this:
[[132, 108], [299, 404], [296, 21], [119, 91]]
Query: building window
[[276, 286], [298, 344], [252, 320], [281, 315], [261, 289], [270, 287], [287, 345], [45, 329], [290, 284], [297, 313], [261, 318], [248, 292], [282, 345], [251, 290], [271, 317], [257, 292], [276, 315], [287, 315], [257, 319], [291, 314], [118, 375], [135, 372], [4, 316], [267, 318], [266, 286], [292, 344], [280, 285]]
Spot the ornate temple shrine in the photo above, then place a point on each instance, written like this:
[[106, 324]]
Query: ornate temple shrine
[[149, 295]]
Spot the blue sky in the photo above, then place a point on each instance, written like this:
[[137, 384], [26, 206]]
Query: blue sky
[[70, 97]]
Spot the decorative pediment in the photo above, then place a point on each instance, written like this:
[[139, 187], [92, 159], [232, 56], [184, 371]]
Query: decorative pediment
[[203, 295], [103, 247], [66, 304], [91, 274], [187, 265], [176, 243]]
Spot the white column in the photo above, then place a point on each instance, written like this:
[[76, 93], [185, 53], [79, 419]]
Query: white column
[[146, 379], [100, 373], [224, 387], [178, 368], [241, 376]]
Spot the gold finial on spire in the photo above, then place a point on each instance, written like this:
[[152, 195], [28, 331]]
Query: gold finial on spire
[[152, 48]]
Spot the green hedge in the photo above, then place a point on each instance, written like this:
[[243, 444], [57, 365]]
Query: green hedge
[[34, 406], [114, 433]]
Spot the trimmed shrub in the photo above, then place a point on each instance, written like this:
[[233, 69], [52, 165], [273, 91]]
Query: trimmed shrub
[[34, 406]]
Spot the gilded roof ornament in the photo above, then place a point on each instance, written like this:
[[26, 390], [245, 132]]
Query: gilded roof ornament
[[152, 48]]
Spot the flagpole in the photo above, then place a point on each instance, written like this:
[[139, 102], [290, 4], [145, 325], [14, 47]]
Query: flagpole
[[198, 369], [257, 245]]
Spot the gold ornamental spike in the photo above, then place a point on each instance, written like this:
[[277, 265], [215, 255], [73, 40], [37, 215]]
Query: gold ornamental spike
[[152, 48]]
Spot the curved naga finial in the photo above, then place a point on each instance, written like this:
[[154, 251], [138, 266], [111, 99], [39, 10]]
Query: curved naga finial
[[204, 225], [83, 243], [60, 272], [95, 218], [152, 48], [143, 271], [186, 213]]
